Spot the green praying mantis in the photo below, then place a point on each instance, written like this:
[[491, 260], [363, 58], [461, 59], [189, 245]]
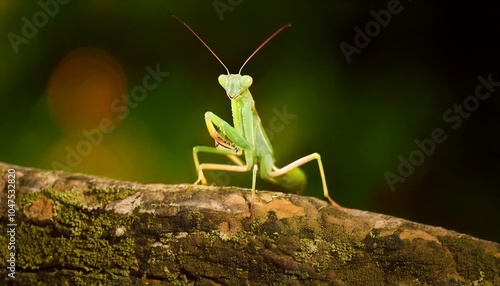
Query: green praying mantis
[[248, 138]]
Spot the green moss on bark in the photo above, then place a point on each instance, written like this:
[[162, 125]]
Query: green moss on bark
[[91, 241]]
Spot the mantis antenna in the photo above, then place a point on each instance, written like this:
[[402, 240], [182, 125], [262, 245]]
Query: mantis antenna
[[187, 26], [261, 45], [264, 43]]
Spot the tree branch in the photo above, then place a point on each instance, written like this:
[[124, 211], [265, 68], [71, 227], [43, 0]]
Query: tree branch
[[84, 230]]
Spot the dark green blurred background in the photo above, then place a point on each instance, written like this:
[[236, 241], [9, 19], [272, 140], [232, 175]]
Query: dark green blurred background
[[360, 116]]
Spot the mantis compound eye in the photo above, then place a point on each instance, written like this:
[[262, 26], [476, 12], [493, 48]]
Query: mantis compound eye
[[246, 81], [223, 80]]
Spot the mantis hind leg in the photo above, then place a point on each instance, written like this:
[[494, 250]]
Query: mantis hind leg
[[277, 172]]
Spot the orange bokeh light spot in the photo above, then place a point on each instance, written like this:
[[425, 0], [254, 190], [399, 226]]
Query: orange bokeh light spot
[[83, 87]]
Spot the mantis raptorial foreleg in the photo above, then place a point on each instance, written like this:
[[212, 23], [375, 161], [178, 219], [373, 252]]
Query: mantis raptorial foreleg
[[232, 142], [230, 137]]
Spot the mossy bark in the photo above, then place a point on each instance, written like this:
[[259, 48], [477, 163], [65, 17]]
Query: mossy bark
[[74, 229]]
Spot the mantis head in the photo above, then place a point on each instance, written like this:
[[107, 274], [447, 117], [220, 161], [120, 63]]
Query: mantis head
[[235, 84]]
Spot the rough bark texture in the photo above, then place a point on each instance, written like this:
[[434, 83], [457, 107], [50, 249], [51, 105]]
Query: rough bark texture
[[75, 229]]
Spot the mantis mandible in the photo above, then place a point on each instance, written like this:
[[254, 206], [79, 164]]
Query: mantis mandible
[[248, 138]]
